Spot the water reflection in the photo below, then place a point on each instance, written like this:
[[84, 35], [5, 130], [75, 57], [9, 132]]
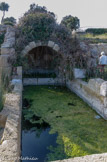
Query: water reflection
[[36, 140]]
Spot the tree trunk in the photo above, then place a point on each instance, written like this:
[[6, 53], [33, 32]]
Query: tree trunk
[[3, 17]]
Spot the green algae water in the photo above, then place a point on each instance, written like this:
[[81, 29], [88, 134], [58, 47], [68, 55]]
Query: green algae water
[[59, 125]]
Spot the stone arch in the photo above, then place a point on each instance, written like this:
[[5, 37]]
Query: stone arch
[[33, 45]]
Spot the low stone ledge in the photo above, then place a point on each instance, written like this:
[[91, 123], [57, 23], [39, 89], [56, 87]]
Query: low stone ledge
[[42, 81], [88, 158]]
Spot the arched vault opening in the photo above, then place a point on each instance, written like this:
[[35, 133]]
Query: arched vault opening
[[43, 58]]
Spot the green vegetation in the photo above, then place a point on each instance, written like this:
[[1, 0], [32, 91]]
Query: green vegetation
[[2, 34], [9, 21], [39, 24], [93, 38], [96, 31], [4, 7], [72, 23], [99, 74], [79, 132], [96, 73], [100, 36]]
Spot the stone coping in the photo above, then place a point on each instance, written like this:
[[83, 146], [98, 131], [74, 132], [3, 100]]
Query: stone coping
[[87, 158], [10, 147]]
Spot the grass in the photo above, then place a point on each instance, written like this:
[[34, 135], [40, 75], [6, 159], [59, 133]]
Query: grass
[[101, 38], [79, 132]]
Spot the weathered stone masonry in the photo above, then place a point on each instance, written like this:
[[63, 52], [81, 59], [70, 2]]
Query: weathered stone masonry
[[7, 52], [94, 93], [33, 45], [10, 147]]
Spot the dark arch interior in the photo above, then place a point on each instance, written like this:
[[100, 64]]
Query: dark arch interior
[[43, 59]]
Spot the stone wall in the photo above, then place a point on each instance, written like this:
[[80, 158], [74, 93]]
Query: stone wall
[[98, 48], [3, 28], [94, 51], [43, 81], [94, 93], [10, 144], [7, 52]]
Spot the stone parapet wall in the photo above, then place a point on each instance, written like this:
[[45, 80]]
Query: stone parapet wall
[[94, 93], [10, 144]]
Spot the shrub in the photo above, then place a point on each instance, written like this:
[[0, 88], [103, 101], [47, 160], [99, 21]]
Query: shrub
[[96, 30], [9, 21], [37, 26], [2, 34]]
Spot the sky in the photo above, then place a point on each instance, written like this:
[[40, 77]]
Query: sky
[[92, 13]]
